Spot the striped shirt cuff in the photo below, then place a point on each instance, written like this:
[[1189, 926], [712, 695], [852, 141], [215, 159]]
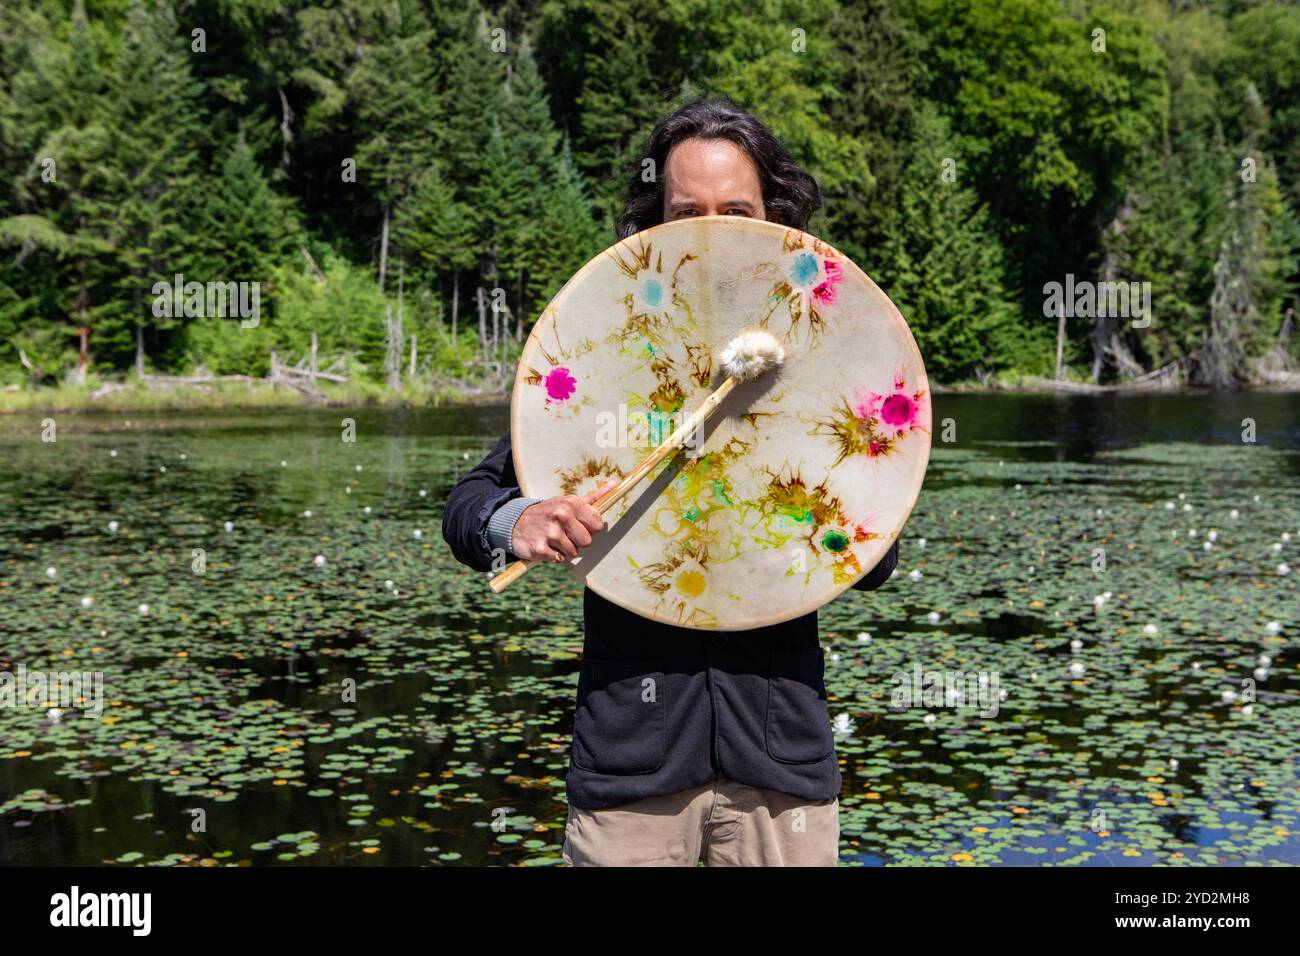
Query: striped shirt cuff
[[501, 525]]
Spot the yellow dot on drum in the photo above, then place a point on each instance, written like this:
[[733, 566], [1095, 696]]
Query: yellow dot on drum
[[691, 582]]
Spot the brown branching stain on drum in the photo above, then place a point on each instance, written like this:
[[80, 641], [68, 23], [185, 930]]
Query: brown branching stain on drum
[[853, 435], [559, 353], [793, 499], [669, 397], [783, 293], [755, 418], [700, 358], [588, 475], [640, 259], [648, 318], [821, 522], [680, 580], [874, 424]]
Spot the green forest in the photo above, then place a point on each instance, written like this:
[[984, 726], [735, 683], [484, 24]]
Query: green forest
[[406, 182]]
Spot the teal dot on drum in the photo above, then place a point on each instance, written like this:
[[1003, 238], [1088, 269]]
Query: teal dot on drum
[[804, 270], [652, 292]]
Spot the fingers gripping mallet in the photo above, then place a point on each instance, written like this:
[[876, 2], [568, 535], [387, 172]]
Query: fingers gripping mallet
[[750, 354]]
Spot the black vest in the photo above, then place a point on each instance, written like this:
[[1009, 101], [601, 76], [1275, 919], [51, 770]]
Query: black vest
[[663, 709]]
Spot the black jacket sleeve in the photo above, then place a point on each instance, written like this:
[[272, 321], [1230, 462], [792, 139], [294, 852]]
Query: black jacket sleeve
[[881, 572], [487, 486]]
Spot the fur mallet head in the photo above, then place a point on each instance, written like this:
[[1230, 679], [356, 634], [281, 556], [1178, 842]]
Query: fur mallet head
[[750, 354]]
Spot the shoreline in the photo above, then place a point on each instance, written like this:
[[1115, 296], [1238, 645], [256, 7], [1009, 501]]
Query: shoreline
[[260, 397]]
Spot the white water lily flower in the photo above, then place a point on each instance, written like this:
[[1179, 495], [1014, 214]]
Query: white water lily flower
[[1173, 763], [143, 609], [1277, 546], [1150, 629], [933, 617], [914, 575], [1261, 673], [1273, 626], [388, 584], [306, 514], [358, 467], [1077, 668], [283, 463], [1284, 568], [1207, 545], [319, 560], [423, 493], [1264, 660], [1212, 535], [843, 726], [1248, 710], [863, 637], [229, 526], [87, 601], [930, 718], [1228, 696], [55, 714], [366, 509], [1076, 645], [113, 453], [113, 526], [51, 572], [1187, 507], [417, 533], [920, 542], [1182, 496]]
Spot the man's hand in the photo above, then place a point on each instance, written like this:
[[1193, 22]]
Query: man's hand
[[557, 526]]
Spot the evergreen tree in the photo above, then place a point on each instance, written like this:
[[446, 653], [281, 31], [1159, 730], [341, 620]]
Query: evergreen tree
[[944, 269], [141, 196], [567, 211], [392, 84]]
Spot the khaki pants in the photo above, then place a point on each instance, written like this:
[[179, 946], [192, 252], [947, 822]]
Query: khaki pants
[[721, 824]]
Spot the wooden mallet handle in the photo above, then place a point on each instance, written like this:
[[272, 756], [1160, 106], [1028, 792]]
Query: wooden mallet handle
[[671, 445]]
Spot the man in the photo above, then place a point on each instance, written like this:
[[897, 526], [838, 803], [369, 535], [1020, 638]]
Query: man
[[688, 745]]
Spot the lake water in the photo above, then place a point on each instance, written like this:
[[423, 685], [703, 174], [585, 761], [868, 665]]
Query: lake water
[[1160, 737]]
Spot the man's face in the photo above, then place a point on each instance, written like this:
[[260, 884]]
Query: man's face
[[711, 177]]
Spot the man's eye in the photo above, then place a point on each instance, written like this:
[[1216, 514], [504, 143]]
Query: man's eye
[[737, 211], [686, 212]]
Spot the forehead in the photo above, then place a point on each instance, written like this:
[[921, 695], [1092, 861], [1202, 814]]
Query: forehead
[[700, 166]]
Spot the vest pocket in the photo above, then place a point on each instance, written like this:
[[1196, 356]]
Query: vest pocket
[[619, 726], [798, 719]]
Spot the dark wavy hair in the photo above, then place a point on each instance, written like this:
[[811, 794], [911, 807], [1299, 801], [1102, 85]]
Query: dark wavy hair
[[790, 194]]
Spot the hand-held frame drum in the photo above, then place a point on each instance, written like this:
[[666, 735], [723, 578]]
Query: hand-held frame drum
[[782, 491]]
